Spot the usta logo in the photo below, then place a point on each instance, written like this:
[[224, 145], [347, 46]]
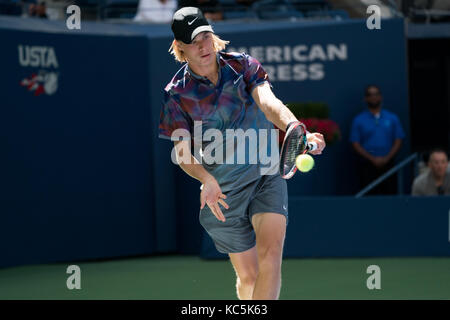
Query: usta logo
[[40, 81]]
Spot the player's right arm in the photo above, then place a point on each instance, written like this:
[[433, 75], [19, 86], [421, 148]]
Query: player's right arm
[[211, 194]]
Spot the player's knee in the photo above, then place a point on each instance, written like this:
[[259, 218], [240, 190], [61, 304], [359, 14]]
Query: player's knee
[[270, 255], [248, 280]]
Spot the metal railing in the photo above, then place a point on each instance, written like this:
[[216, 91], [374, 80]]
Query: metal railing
[[414, 157]]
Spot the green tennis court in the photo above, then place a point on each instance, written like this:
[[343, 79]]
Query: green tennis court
[[190, 277]]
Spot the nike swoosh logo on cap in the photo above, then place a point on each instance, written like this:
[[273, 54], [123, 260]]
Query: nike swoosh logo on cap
[[189, 23]]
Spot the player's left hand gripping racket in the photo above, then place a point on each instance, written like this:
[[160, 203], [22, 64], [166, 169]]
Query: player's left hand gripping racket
[[294, 144]]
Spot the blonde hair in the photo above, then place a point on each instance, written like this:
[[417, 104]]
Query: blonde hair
[[219, 45]]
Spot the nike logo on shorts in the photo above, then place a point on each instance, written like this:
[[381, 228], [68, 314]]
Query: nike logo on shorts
[[284, 207], [189, 23]]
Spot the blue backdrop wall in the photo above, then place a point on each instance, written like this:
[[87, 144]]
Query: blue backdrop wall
[[376, 226], [76, 149]]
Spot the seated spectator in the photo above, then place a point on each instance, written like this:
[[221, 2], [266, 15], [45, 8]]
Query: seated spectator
[[157, 11], [211, 9], [38, 10], [436, 180]]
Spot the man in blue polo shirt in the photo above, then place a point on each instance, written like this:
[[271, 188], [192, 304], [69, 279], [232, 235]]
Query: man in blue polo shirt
[[376, 136]]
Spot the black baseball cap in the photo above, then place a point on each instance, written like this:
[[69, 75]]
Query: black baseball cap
[[188, 22]]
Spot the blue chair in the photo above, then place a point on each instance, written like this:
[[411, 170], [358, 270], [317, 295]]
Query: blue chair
[[233, 10], [88, 3], [228, 3], [10, 7], [119, 9], [328, 14], [276, 10], [310, 5], [310, 2], [240, 15]]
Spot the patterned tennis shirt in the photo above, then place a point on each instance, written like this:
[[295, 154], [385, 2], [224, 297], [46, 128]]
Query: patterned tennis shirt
[[213, 115]]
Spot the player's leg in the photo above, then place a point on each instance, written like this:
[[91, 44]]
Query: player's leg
[[235, 237], [270, 230], [246, 266]]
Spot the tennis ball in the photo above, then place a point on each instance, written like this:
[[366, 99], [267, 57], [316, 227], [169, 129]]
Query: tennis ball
[[304, 162]]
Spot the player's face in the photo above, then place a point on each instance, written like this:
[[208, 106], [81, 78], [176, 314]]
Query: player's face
[[201, 51], [438, 163]]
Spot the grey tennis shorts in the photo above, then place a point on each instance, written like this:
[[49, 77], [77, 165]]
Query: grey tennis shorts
[[236, 234]]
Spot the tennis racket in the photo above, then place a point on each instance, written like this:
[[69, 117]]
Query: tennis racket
[[294, 144]]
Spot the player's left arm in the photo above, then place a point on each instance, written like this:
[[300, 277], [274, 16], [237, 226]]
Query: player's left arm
[[280, 115]]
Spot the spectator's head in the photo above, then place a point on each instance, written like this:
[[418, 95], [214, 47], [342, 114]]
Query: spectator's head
[[438, 162], [32, 10], [37, 9], [373, 97], [195, 40]]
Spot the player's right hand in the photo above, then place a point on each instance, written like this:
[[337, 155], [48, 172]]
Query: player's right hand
[[212, 195]]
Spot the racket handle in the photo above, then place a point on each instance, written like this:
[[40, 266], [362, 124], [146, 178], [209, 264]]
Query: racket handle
[[312, 146]]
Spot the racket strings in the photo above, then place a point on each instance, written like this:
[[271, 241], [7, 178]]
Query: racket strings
[[295, 146]]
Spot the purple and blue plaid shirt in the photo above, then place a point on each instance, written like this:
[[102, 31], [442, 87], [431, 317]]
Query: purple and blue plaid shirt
[[228, 105]]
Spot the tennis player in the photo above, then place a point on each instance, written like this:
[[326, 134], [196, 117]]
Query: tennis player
[[245, 212]]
